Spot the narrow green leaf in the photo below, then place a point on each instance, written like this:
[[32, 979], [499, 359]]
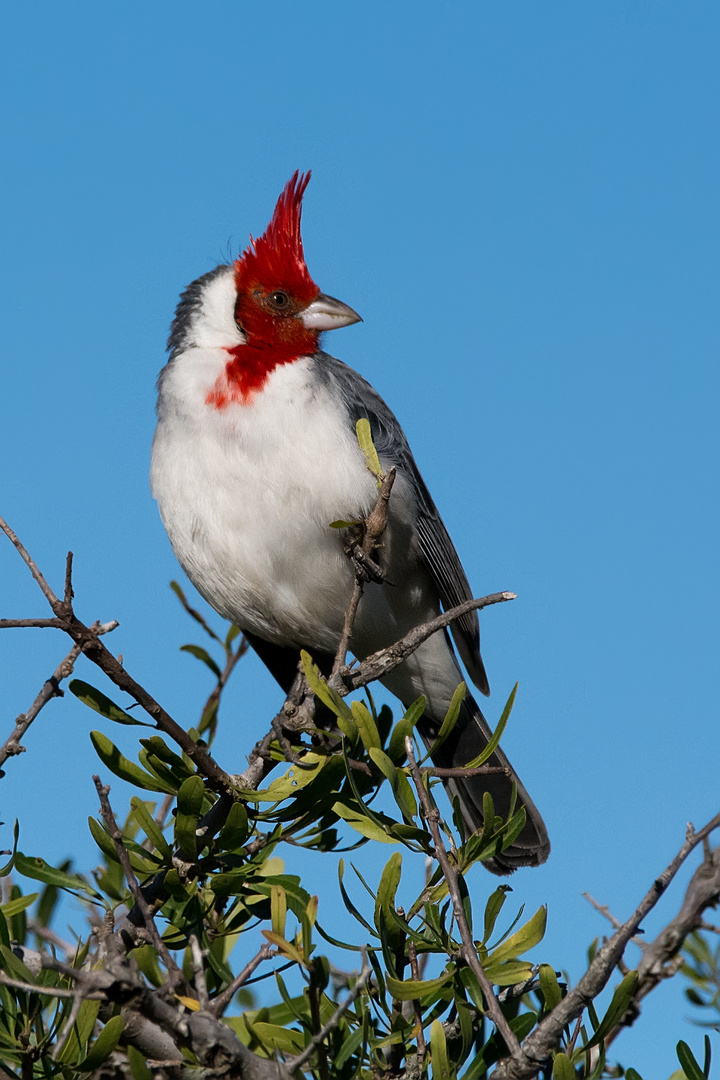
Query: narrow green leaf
[[278, 909], [364, 437], [550, 987], [348, 902], [6, 869], [687, 1059], [14, 907], [118, 764], [365, 725], [204, 656], [138, 1066], [362, 824], [97, 701], [632, 1074], [438, 1050], [150, 827], [451, 717], [420, 989], [621, 998], [235, 831], [497, 734], [523, 939], [189, 806], [329, 697], [562, 1068], [493, 909], [39, 870], [104, 1045]]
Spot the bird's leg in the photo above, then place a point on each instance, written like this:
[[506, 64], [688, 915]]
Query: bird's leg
[[366, 569]]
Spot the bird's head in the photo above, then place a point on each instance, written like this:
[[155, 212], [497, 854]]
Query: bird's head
[[279, 307]]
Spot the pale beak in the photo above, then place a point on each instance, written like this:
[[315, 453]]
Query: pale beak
[[327, 313]]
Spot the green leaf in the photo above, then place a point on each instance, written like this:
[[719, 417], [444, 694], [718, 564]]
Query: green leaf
[[525, 938], [451, 717], [402, 791], [235, 831], [497, 734], [365, 725], [96, 700], [438, 1049], [632, 1074], [404, 728], [14, 907], [150, 827], [104, 1045], [203, 655], [562, 1068], [616, 1010], [39, 870], [687, 1059], [7, 868], [118, 764], [493, 909], [362, 824], [329, 697], [138, 1065], [83, 1029], [552, 994], [278, 909], [189, 807], [423, 990], [364, 437], [385, 900]]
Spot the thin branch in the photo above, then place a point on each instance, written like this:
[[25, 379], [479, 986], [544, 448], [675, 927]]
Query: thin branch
[[297, 1063], [38, 624], [30, 563], [380, 663], [174, 973], [537, 1048], [604, 910], [198, 962], [46, 991], [432, 816], [661, 958], [220, 1003], [372, 531], [50, 689]]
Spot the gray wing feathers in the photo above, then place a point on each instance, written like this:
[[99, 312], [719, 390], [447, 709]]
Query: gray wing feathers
[[435, 544]]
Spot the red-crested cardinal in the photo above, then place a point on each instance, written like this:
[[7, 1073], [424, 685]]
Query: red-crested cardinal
[[256, 453]]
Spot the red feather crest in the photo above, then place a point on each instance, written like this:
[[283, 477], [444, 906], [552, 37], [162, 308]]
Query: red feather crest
[[276, 258]]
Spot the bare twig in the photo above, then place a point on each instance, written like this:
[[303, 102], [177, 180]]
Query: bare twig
[[175, 975], [604, 910], [432, 816], [199, 971], [297, 1063], [538, 1046], [220, 1003], [384, 660], [661, 958], [373, 528]]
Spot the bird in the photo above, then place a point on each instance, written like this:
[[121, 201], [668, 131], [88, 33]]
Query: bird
[[255, 454]]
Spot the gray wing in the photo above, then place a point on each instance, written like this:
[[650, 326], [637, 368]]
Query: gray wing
[[437, 549]]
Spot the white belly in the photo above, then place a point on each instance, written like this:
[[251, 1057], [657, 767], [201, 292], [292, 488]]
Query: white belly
[[247, 494]]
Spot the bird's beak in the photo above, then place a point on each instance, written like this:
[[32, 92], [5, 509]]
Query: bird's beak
[[327, 313]]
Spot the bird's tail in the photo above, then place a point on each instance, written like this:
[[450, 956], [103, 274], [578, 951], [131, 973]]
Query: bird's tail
[[468, 739]]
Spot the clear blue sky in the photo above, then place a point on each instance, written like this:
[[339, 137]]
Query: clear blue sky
[[522, 202]]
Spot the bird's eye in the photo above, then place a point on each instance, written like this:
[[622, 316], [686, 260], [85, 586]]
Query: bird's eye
[[279, 300]]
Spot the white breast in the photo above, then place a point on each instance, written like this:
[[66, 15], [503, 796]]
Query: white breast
[[247, 494]]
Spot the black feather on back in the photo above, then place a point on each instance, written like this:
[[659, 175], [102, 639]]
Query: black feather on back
[[438, 550]]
